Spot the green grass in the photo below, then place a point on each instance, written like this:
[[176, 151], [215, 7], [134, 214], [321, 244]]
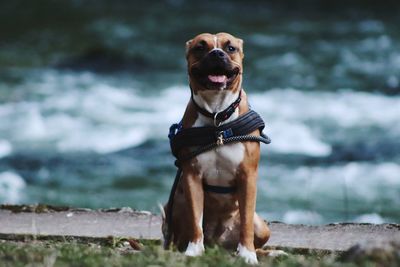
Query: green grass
[[50, 253]]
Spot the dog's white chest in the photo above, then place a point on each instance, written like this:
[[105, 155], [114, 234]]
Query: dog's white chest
[[219, 166]]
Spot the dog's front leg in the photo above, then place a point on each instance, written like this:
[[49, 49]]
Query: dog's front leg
[[194, 195], [247, 192]]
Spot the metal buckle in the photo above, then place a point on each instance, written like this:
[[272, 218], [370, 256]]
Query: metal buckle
[[215, 120]]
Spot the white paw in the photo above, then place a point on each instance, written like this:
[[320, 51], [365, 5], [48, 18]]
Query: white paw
[[277, 253], [249, 257], [195, 249]]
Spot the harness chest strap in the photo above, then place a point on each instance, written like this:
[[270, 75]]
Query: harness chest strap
[[202, 136], [209, 137]]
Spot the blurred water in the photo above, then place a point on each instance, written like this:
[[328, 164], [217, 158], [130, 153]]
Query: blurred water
[[88, 90]]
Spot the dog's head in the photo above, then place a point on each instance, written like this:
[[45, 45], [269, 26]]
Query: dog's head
[[215, 62]]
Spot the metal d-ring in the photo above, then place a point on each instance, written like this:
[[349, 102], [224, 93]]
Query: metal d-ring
[[215, 120]]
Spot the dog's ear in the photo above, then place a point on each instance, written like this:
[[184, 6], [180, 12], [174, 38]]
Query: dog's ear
[[188, 43]]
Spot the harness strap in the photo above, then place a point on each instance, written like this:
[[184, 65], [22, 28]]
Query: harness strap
[[219, 189], [218, 116], [202, 136]]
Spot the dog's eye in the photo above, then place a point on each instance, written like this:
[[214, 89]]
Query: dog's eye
[[231, 48], [199, 48]]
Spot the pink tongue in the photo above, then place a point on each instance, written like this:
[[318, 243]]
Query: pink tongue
[[217, 78]]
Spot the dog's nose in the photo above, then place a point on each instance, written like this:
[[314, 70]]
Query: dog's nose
[[216, 53]]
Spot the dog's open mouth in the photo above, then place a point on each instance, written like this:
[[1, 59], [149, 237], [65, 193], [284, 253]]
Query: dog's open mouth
[[215, 79]]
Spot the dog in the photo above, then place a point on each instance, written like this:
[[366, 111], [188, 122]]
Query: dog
[[215, 70]]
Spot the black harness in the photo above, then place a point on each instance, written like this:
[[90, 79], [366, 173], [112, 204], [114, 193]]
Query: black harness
[[203, 136], [203, 139]]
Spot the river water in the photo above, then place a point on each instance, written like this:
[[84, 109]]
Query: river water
[[88, 90]]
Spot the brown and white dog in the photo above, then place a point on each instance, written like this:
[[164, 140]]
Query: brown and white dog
[[215, 75]]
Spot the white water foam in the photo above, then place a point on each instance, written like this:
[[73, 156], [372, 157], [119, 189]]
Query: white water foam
[[101, 117], [369, 218], [83, 112], [295, 118], [5, 148], [295, 138], [345, 189], [302, 217], [362, 179], [11, 187]]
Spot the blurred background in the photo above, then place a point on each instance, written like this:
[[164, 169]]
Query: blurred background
[[88, 90]]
